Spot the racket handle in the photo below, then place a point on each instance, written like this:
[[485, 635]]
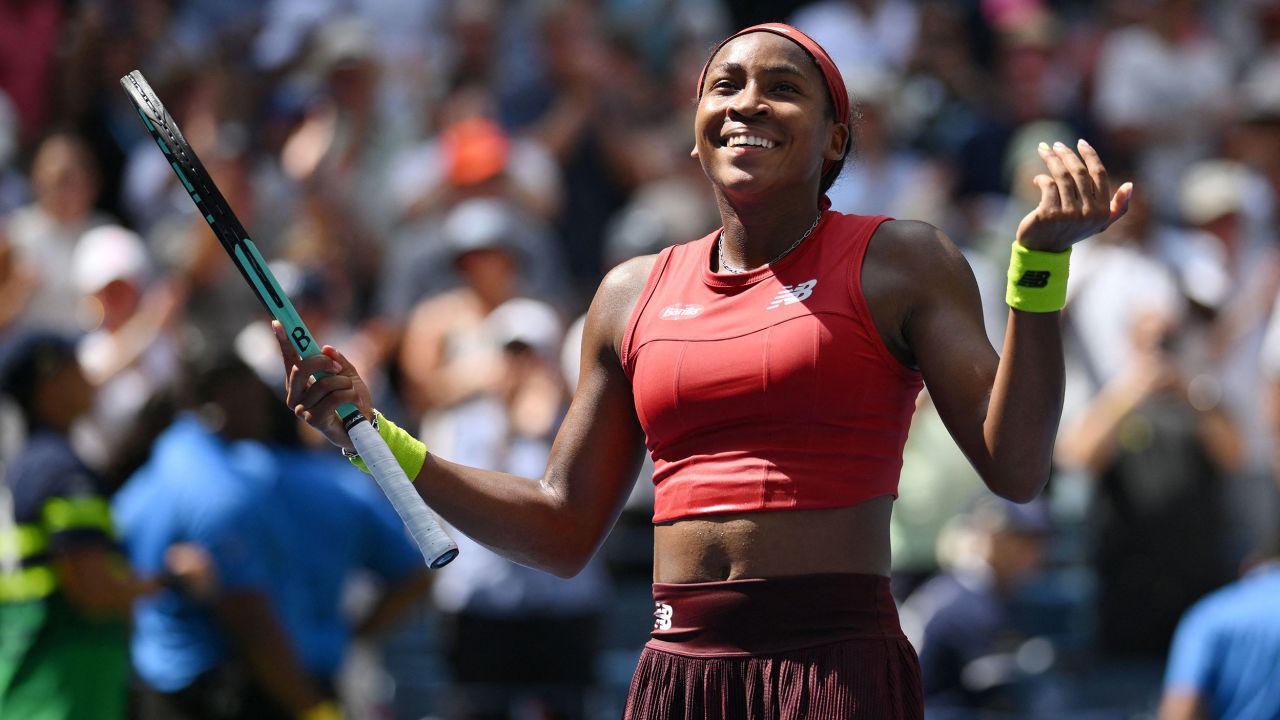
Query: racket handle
[[437, 547]]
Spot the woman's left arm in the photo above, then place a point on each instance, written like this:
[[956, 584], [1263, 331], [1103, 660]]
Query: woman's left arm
[[1003, 411]]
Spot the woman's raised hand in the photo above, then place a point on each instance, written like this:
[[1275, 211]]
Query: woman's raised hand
[[1076, 200], [317, 401]]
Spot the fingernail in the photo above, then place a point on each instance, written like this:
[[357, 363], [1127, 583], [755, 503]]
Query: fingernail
[[1084, 143], [1059, 146], [1044, 147]]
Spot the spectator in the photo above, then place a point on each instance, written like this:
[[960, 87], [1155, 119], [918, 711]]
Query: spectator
[[129, 352], [1160, 447], [1163, 93], [962, 622], [945, 87], [874, 34], [44, 233], [446, 357], [338, 527], [477, 171], [232, 658], [592, 105], [881, 174], [473, 156], [1120, 276], [64, 599], [1256, 140], [491, 603], [1226, 654], [1229, 266]]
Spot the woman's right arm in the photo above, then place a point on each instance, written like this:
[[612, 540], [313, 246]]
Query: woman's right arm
[[554, 523]]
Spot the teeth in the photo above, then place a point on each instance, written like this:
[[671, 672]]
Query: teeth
[[737, 140]]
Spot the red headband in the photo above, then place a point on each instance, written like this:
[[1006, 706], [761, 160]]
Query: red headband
[[830, 73]]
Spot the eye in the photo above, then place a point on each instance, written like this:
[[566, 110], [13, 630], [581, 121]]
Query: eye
[[723, 85], [786, 87]]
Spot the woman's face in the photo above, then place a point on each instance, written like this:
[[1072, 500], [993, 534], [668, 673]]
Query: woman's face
[[763, 123]]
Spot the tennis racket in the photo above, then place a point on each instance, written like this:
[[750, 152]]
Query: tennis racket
[[437, 547]]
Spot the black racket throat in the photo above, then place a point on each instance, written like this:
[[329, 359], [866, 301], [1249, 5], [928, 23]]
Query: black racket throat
[[195, 178]]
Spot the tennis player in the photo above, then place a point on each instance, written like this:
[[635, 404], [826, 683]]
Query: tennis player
[[771, 369]]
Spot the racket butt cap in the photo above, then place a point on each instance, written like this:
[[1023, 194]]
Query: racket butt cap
[[444, 559]]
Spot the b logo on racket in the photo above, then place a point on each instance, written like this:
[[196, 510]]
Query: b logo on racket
[[301, 339]]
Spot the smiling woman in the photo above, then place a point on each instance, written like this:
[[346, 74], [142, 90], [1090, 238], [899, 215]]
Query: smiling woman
[[771, 370]]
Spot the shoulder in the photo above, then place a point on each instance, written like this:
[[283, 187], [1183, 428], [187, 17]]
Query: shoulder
[[627, 279], [48, 468], [617, 296], [1241, 601], [914, 262], [912, 243], [911, 271], [45, 453]]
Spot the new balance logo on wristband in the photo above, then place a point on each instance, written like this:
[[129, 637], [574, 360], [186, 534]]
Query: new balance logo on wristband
[[1034, 279], [662, 617], [792, 294]]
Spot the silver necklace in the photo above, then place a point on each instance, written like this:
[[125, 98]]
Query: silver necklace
[[724, 266]]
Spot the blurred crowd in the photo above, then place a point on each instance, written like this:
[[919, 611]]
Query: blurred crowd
[[440, 186]]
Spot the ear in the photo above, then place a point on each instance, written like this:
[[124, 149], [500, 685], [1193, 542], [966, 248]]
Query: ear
[[839, 142]]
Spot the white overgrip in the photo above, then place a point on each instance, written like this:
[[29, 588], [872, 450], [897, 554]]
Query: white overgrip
[[437, 547]]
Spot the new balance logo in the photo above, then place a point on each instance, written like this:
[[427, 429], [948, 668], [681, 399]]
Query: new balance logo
[[792, 294], [1034, 279], [662, 617]]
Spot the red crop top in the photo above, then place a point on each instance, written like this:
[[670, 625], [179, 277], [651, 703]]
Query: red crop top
[[771, 389]]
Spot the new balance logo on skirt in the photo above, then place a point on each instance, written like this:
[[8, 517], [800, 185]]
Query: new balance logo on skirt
[[662, 617], [791, 294]]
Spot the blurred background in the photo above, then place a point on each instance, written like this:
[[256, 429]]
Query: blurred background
[[441, 185]]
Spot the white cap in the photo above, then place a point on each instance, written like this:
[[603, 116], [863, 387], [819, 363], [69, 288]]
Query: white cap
[[342, 40], [531, 322], [108, 253], [482, 224], [1211, 189]]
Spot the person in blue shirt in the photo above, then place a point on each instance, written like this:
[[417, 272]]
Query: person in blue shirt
[[334, 522], [1225, 659], [232, 657]]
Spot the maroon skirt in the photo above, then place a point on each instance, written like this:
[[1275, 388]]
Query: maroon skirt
[[816, 647]]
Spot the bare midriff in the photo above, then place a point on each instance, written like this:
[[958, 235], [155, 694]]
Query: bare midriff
[[774, 544]]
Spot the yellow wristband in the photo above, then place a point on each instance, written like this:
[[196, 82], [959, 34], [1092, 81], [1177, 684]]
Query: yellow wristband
[[1037, 279], [410, 452]]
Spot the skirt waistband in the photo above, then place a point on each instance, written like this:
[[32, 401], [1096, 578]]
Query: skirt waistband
[[768, 615]]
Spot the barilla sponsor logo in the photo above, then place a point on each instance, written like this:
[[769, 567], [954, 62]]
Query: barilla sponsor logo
[[680, 312]]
